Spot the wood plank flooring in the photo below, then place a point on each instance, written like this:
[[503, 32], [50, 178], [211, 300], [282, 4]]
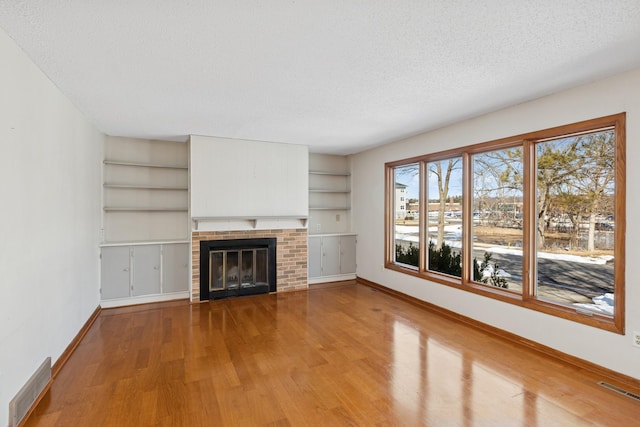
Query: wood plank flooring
[[340, 355]]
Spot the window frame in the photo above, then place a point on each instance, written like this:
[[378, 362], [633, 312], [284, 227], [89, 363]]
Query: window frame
[[527, 299], [390, 189]]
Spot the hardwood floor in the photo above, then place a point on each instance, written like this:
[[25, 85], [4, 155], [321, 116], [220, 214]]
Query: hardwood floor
[[339, 355]]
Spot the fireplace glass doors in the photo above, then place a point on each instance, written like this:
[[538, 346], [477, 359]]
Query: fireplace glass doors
[[237, 267], [234, 269]]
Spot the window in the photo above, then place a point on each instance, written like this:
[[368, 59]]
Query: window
[[444, 225], [575, 213], [406, 231], [497, 220], [535, 220]]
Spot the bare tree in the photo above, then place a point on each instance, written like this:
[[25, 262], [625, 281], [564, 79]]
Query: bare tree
[[595, 176], [498, 182], [444, 179], [556, 168]]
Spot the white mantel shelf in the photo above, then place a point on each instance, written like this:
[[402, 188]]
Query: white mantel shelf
[[253, 220]]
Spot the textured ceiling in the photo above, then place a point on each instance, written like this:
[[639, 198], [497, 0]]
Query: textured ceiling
[[339, 76]]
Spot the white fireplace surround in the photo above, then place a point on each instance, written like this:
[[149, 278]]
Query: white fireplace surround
[[246, 189], [239, 184]]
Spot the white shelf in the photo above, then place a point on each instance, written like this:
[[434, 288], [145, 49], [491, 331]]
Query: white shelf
[[329, 191], [329, 173], [143, 242], [144, 165], [138, 209], [144, 187], [327, 208]]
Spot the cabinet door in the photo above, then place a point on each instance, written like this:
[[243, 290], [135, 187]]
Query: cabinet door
[[315, 256], [175, 268], [347, 254], [146, 270], [330, 255], [114, 276]]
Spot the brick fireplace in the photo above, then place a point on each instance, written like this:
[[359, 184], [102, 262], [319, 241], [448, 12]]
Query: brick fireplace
[[291, 257]]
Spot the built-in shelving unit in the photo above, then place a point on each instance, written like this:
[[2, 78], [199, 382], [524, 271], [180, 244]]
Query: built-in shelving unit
[[145, 249], [145, 190], [329, 190], [329, 194], [332, 244]]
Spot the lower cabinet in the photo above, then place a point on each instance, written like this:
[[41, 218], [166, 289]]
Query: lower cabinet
[[145, 263], [116, 272], [141, 270], [348, 254], [331, 255], [175, 268]]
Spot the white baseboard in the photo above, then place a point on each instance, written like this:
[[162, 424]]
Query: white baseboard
[[121, 302], [336, 278]]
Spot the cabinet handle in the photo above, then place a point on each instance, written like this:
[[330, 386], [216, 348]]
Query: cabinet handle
[[125, 269]]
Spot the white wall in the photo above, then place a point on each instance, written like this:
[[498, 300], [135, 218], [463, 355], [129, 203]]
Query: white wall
[[610, 96], [49, 220], [239, 178]]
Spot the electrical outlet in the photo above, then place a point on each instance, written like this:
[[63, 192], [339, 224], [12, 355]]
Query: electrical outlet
[[318, 228], [636, 339]]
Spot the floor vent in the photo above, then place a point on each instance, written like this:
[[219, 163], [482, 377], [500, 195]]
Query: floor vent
[[28, 394], [619, 390]]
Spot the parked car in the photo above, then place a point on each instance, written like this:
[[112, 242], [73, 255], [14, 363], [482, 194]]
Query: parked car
[[604, 226]]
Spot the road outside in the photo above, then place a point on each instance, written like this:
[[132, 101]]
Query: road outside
[[564, 277]]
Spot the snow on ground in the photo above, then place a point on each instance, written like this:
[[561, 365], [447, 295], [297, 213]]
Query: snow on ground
[[488, 271], [409, 233], [407, 238], [602, 304], [557, 256]]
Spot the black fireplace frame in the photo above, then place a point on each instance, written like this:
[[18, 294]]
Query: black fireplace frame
[[236, 244]]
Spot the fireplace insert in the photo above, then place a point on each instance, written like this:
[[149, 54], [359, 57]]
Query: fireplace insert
[[237, 267]]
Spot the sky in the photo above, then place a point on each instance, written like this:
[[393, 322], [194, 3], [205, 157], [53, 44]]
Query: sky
[[409, 176]]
